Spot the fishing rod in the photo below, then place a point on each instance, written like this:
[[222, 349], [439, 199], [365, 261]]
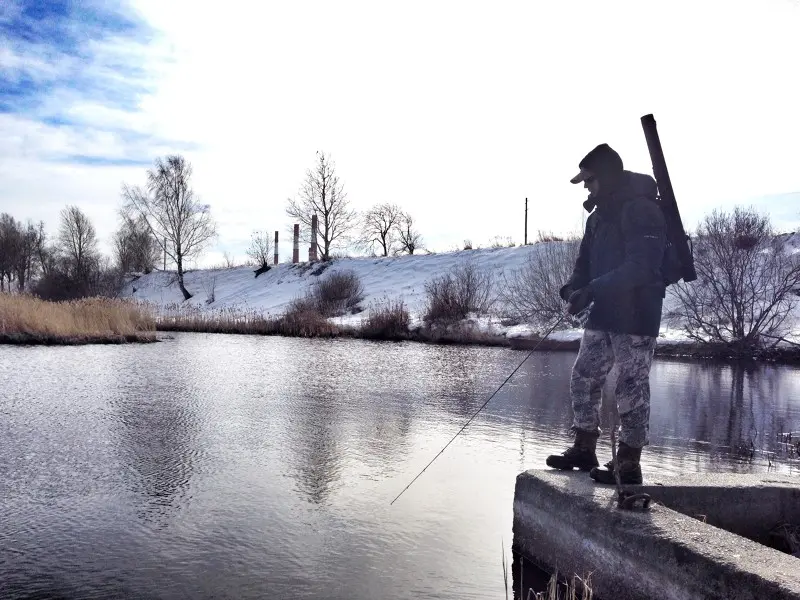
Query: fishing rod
[[579, 316]]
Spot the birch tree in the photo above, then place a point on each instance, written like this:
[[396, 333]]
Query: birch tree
[[180, 223]]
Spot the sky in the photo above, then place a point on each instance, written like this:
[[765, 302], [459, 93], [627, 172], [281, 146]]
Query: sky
[[456, 111]]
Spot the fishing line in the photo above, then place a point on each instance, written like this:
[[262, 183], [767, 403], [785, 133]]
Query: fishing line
[[557, 323]]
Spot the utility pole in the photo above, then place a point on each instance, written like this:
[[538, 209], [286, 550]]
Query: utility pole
[[526, 221], [165, 253]]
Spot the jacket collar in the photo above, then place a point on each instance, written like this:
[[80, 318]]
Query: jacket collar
[[611, 201], [606, 203]]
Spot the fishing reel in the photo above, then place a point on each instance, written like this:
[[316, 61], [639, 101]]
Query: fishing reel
[[583, 316]]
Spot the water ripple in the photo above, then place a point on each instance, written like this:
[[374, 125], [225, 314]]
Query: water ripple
[[239, 467]]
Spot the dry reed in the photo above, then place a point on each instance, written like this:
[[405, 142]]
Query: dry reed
[[27, 319]]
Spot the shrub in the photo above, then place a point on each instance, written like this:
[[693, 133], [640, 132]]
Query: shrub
[[338, 293], [467, 244], [549, 236], [303, 319], [62, 283], [498, 242], [452, 296], [387, 321], [747, 282], [530, 294]]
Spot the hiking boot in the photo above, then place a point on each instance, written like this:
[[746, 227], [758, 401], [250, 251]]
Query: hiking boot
[[582, 455], [630, 471]]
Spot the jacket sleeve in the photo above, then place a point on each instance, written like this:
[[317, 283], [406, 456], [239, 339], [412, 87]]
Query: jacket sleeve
[[644, 232], [580, 273]]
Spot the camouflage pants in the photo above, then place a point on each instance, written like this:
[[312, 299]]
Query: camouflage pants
[[632, 355]]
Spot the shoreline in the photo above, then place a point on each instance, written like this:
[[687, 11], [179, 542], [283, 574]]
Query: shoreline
[[463, 333], [664, 349], [33, 339], [686, 351]]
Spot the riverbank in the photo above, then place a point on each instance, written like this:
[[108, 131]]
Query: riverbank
[[685, 349], [26, 320], [473, 332], [235, 300]]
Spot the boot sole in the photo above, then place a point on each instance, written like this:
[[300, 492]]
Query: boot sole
[[612, 482]]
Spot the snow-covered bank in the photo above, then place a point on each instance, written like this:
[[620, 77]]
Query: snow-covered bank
[[384, 279], [243, 303]]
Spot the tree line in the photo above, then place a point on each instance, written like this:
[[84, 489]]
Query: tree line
[[165, 220], [385, 228]]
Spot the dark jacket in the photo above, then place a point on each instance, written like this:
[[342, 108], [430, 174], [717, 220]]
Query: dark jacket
[[620, 258]]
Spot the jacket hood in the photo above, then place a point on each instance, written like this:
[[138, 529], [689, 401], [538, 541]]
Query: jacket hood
[[634, 185]]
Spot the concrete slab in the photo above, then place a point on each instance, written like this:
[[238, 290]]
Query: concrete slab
[[748, 505], [566, 522]]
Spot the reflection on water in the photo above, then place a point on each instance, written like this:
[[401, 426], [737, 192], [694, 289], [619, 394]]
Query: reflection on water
[[224, 466], [155, 435]]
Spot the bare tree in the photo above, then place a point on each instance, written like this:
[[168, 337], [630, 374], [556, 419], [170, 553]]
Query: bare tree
[[409, 238], [135, 248], [379, 227], [181, 225], [323, 194], [260, 249], [530, 294], [25, 265], [9, 244], [45, 251], [77, 244], [228, 260], [747, 282]]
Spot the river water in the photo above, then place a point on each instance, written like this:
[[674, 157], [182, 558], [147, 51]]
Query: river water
[[210, 466]]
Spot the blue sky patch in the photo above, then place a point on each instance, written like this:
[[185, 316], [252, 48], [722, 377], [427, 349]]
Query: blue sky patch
[[98, 161], [64, 53]]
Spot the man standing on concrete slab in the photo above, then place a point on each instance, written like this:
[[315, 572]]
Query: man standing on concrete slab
[[618, 273]]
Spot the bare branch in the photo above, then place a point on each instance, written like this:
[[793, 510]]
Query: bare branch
[[747, 280], [407, 235], [530, 294], [322, 194], [260, 249], [135, 248], [77, 241], [379, 227], [180, 223]]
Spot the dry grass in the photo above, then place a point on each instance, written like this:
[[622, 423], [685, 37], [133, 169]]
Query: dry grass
[[385, 321], [576, 588], [388, 321], [178, 317], [26, 319], [301, 319]]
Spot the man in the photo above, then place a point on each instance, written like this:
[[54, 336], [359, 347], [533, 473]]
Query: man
[[618, 273]]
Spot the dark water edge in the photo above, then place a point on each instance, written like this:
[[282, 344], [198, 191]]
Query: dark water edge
[[35, 339], [722, 353]]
